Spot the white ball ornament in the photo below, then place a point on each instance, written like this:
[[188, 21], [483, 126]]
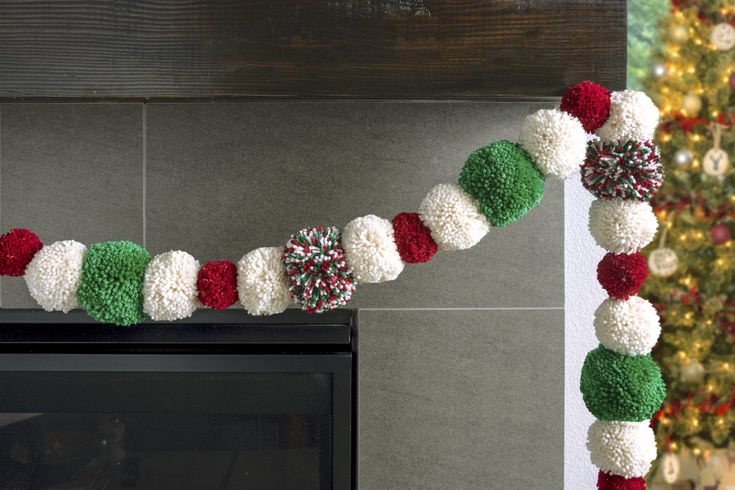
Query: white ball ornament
[[261, 282], [556, 142], [630, 327], [723, 36], [633, 116], [54, 274], [370, 249], [622, 448], [170, 286], [622, 226], [453, 217]]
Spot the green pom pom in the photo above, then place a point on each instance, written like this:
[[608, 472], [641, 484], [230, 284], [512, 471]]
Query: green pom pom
[[111, 290], [619, 387], [503, 180]]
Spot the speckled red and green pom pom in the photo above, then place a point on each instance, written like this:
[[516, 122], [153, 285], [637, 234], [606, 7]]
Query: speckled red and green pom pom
[[588, 102], [217, 284], [318, 275], [606, 481], [17, 249], [624, 169]]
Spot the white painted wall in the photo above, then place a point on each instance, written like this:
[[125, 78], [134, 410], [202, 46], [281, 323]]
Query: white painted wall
[[582, 296]]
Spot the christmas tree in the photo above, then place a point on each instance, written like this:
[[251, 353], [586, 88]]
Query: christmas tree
[[692, 264]]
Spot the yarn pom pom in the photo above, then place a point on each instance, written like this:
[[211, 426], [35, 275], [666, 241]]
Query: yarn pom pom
[[622, 448], [622, 227], [628, 327], [217, 284], [622, 275], [413, 238], [170, 286], [556, 142], [371, 250], [111, 290], [317, 273], [453, 217], [54, 274], [588, 102], [503, 180], [625, 169], [633, 116], [261, 282], [617, 482], [17, 249], [619, 387]]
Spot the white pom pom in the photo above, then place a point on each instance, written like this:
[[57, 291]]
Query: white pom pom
[[170, 286], [556, 141], [622, 226], [453, 217], [370, 249], [630, 327], [54, 274], [633, 116], [261, 282], [622, 448]]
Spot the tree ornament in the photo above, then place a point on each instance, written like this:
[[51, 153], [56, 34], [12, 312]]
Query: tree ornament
[[622, 448], [723, 36], [659, 70], [217, 284], [503, 180], [111, 289], [588, 102], [622, 227], [633, 116], [683, 157], [54, 274], [625, 169], [453, 217], [620, 387], [317, 272], [720, 234], [413, 238], [170, 286], [663, 262], [606, 481], [622, 275], [679, 33], [732, 81], [670, 467], [17, 249], [716, 163], [371, 250], [262, 283], [691, 104], [692, 372], [555, 141], [630, 327]]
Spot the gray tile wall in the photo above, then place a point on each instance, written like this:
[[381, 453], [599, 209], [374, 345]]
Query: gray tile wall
[[461, 359]]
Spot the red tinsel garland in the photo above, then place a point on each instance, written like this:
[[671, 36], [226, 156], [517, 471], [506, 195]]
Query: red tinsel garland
[[588, 102], [622, 275], [616, 482], [413, 238], [17, 249], [217, 284]]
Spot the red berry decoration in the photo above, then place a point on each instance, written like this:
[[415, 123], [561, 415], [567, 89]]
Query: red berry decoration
[[17, 249], [588, 102], [413, 238], [720, 233], [622, 275], [617, 482], [217, 284]]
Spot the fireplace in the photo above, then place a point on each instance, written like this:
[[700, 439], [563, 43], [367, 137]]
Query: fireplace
[[221, 401]]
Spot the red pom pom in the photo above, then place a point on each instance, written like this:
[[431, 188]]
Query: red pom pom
[[588, 102], [217, 284], [414, 241], [622, 275], [617, 482], [17, 249]]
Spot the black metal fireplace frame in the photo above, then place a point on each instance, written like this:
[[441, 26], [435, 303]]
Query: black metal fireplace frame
[[224, 341]]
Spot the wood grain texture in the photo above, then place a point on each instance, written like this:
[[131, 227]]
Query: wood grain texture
[[308, 49]]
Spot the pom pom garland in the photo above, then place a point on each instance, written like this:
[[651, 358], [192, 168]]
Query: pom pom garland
[[317, 273], [625, 169], [617, 482], [217, 284], [622, 227], [620, 387], [453, 217], [588, 102], [504, 182], [556, 142], [413, 238], [622, 275], [17, 249], [622, 448], [629, 327], [170, 286], [111, 289], [633, 116], [261, 282], [54, 274], [370, 249]]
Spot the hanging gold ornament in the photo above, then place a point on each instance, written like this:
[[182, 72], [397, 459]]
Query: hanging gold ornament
[[691, 104], [679, 33]]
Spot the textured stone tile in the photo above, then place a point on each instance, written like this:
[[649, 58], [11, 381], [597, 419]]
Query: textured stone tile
[[70, 171], [224, 178], [461, 399]]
